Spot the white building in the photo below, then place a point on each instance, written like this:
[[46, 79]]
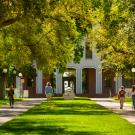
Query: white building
[[85, 78]]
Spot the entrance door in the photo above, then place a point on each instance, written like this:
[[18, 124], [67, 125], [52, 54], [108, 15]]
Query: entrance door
[[91, 82], [69, 82]]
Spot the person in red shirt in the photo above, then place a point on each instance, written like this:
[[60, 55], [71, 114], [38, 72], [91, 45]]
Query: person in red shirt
[[121, 96]]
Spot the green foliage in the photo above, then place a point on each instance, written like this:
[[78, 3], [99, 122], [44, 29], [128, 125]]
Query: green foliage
[[45, 31], [29, 71], [78, 52], [51, 31], [114, 33]]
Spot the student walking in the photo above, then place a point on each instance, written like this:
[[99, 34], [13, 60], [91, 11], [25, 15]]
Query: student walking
[[121, 96], [133, 96], [11, 97], [48, 91]]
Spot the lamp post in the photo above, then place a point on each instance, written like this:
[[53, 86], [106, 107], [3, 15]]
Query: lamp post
[[21, 92], [20, 75], [4, 70], [133, 70], [4, 73]]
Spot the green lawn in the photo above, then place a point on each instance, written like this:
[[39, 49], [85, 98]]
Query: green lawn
[[6, 101], [128, 100], [68, 117]]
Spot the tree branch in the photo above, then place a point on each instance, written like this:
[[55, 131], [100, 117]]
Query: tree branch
[[9, 22]]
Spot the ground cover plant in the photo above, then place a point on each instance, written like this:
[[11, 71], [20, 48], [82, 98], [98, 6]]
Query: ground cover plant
[[68, 117]]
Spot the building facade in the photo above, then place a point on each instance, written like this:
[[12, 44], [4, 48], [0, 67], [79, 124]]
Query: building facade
[[85, 79]]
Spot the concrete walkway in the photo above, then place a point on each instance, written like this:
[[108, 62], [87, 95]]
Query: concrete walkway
[[7, 113], [127, 112]]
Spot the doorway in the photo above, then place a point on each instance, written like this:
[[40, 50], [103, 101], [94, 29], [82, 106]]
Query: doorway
[[69, 80], [89, 82]]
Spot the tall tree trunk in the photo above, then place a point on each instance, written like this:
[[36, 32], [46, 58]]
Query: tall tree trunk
[[2, 89]]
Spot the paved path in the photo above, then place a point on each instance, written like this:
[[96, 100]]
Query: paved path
[[7, 114], [127, 112]]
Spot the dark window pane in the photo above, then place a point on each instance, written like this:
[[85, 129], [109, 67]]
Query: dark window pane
[[127, 83], [88, 51], [108, 83]]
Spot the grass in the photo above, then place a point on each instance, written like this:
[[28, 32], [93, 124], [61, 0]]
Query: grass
[[68, 117], [128, 100], [6, 101]]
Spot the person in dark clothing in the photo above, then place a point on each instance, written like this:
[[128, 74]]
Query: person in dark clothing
[[133, 96], [11, 97], [121, 96]]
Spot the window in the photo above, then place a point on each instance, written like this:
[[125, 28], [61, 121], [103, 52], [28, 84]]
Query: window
[[108, 83], [88, 50], [127, 83]]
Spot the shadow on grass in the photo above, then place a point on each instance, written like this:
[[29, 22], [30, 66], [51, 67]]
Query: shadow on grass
[[69, 108], [76, 98], [30, 128], [40, 125]]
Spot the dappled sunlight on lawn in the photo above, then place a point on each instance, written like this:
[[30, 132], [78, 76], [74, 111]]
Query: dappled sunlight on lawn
[[68, 117]]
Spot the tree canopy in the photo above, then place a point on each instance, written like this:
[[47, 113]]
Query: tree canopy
[[114, 34], [50, 32], [47, 31]]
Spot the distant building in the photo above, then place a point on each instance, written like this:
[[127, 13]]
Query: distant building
[[85, 78]]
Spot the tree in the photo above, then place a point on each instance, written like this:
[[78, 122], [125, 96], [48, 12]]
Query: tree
[[114, 34], [45, 31]]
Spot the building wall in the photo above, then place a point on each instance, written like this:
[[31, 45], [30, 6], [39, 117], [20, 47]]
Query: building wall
[[95, 79]]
